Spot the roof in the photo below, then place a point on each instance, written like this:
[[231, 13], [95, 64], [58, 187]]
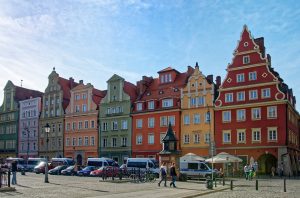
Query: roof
[[170, 136], [168, 69], [98, 96], [131, 90], [66, 86], [24, 93]]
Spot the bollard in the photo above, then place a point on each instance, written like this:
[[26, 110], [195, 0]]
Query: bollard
[[223, 181], [215, 183], [256, 185], [231, 185], [284, 185], [8, 178]]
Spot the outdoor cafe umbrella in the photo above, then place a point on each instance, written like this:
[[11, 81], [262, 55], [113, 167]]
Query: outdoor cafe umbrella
[[191, 157], [223, 158]]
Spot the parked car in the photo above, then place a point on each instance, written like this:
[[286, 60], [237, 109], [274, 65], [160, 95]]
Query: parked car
[[69, 171], [40, 168], [86, 171], [57, 170], [109, 171]]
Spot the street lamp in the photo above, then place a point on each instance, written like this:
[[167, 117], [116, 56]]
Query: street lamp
[[211, 143], [24, 133], [47, 130]]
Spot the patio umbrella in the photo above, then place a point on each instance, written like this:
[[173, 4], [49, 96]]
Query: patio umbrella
[[223, 158], [191, 157]]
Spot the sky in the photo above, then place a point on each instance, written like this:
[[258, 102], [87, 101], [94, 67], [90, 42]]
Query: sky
[[91, 40]]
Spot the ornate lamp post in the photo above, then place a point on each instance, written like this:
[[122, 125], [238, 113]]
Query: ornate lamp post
[[24, 133], [47, 130]]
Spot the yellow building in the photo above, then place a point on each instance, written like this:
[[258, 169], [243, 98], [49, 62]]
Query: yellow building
[[197, 120]]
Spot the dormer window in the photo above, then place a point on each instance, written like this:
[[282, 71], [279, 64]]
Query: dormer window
[[167, 103], [139, 106], [151, 105], [246, 59], [165, 78]]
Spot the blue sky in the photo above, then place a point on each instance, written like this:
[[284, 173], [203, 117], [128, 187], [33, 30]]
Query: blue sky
[[93, 39]]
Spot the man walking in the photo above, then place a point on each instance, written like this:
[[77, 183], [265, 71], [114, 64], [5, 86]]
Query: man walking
[[246, 171], [173, 175], [163, 174], [14, 172]]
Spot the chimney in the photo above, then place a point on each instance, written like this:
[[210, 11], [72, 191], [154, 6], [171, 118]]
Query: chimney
[[210, 78], [71, 82], [269, 59], [80, 81], [260, 43], [218, 81], [190, 70]]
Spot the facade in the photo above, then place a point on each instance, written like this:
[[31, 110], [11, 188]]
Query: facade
[[115, 120], [81, 123], [9, 118], [55, 101], [158, 104], [255, 116], [197, 120], [29, 127]]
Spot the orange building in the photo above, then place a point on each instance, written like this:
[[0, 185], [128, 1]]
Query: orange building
[[158, 104], [81, 126], [197, 120]]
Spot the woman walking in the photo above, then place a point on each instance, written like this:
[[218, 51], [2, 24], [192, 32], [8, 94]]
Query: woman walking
[[173, 175], [163, 174]]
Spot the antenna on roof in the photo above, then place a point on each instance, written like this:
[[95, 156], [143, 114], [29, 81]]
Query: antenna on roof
[[21, 83], [53, 68]]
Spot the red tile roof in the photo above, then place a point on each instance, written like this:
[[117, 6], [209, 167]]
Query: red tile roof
[[66, 86], [131, 90], [98, 96], [168, 69], [24, 93]]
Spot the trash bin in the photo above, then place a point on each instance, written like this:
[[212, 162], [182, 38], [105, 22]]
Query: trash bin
[[209, 183]]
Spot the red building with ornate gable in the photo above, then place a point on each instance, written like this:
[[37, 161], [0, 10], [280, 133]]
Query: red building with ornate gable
[[158, 104], [255, 115]]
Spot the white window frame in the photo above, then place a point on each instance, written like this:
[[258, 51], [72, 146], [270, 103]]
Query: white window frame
[[186, 119], [256, 131], [254, 113], [124, 124], [186, 138], [196, 138], [272, 130], [139, 106], [238, 115], [167, 103], [241, 131], [139, 139], [251, 96], [240, 77], [246, 59], [252, 76], [151, 122], [226, 132], [151, 139], [263, 93], [151, 104], [163, 121], [240, 93], [172, 120], [274, 112], [228, 97], [223, 116], [139, 123], [197, 118]]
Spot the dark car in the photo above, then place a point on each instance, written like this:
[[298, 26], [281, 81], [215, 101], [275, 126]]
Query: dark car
[[86, 171], [57, 170], [69, 171]]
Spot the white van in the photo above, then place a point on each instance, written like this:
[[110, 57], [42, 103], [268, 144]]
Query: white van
[[102, 161], [33, 162], [143, 164], [196, 169]]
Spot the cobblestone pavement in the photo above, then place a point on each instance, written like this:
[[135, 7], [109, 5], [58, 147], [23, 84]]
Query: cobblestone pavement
[[33, 185]]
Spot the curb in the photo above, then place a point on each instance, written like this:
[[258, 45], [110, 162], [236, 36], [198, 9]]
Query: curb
[[206, 193]]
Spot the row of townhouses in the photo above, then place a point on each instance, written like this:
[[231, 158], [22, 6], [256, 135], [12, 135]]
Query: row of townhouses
[[250, 114]]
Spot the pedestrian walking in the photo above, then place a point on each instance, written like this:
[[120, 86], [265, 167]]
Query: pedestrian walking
[[273, 171], [163, 174], [14, 172], [246, 171], [173, 175]]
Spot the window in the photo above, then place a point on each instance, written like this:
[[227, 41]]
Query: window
[[92, 124], [77, 108], [77, 97], [74, 126], [114, 142], [34, 146], [241, 136], [196, 118], [74, 142], [150, 122], [139, 123], [186, 139], [92, 141], [79, 125], [139, 139], [57, 112], [252, 75], [272, 134], [114, 125], [253, 94], [151, 105], [256, 113], [124, 124], [272, 112], [240, 78], [207, 138], [196, 138], [84, 96], [240, 96], [104, 126], [84, 109], [105, 143], [256, 135], [86, 141], [86, 124], [80, 141], [201, 101], [226, 116], [172, 120], [229, 97], [226, 136], [124, 141], [266, 93], [207, 117], [68, 127], [193, 101], [163, 121], [167, 103], [186, 119], [108, 110], [246, 59], [150, 138], [139, 106], [241, 115]]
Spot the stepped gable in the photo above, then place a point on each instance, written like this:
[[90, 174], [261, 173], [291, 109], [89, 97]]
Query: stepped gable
[[131, 90], [247, 45], [24, 93]]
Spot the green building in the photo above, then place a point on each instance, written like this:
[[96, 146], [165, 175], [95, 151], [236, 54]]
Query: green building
[[9, 117], [115, 120]]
